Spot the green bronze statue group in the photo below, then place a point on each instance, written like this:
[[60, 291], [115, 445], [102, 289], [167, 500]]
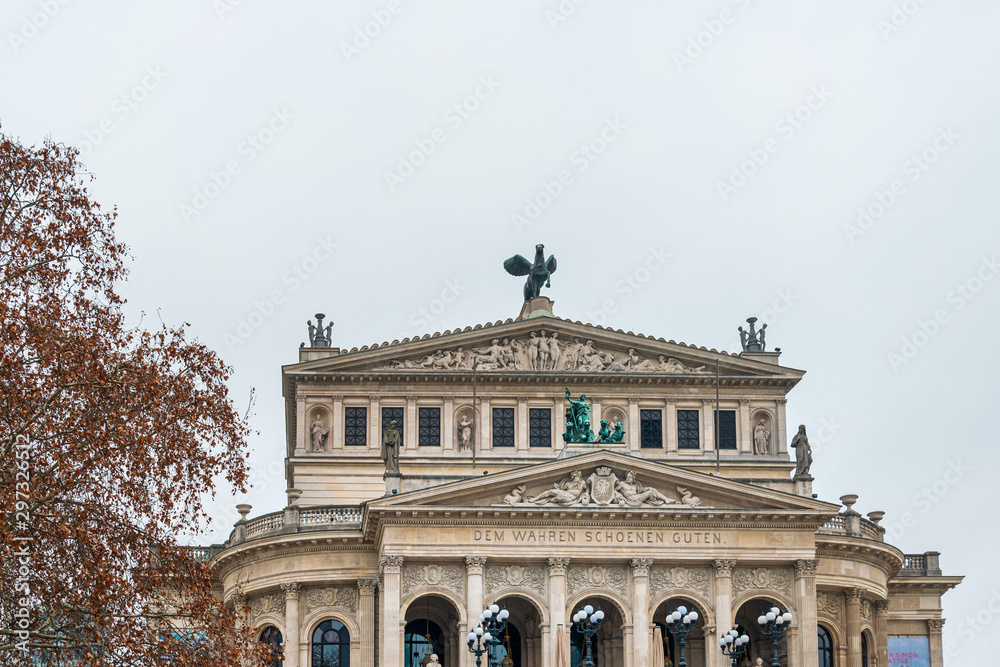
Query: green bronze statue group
[[578, 424]]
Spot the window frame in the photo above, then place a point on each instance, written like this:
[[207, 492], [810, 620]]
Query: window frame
[[683, 430], [538, 430], [427, 427], [361, 410], [497, 424]]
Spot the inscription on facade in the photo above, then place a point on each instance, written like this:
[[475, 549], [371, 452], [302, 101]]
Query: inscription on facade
[[597, 536]]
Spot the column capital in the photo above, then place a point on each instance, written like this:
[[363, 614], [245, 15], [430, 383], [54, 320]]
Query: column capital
[[291, 590], [475, 564], [640, 566], [780, 401], [337, 397], [367, 585], [724, 568], [391, 564], [300, 398], [558, 565], [522, 399], [239, 602], [882, 606], [853, 595], [744, 401], [708, 402], [935, 625], [374, 398], [670, 401], [806, 567], [633, 400], [411, 399]]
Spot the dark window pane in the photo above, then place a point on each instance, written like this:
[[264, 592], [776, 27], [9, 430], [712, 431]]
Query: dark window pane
[[503, 427], [825, 647], [331, 645], [687, 429], [650, 429], [540, 427], [394, 414], [356, 427], [727, 429], [430, 427]]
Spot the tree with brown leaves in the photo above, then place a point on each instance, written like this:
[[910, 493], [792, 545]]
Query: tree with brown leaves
[[110, 437]]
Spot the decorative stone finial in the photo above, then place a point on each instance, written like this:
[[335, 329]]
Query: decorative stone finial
[[538, 272], [243, 509], [849, 501], [752, 341], [319, 336], [875, 517]]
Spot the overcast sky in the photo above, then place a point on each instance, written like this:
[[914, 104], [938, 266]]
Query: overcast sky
[[828, 167]]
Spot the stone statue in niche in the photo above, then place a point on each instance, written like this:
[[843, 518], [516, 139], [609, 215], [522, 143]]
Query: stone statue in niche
[[803, 452], [319, 432], [465, 434], [761, 438], [391, 440]]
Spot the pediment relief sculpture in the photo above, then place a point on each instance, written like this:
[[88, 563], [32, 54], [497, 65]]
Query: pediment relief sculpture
[[542, 352], [603, 488]]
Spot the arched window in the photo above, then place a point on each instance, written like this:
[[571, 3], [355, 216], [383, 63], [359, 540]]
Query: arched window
[[825, 647], [422, 637], [271, 638], [331, 645], [864, 650]]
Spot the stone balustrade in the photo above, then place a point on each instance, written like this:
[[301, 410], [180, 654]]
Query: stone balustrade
[[311, 518], [926, 564], [841, 525]]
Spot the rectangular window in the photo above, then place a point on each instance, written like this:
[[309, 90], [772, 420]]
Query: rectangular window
[[394, 414], [356, 427], [430, 427], [503, 427], [651, 429], [540, 427], [687, 429], [727, 429]]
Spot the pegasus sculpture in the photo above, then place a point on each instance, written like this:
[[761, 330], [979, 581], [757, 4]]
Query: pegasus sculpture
[[538, 272]]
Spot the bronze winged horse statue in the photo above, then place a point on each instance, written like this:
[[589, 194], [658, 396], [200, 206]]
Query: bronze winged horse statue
[[538, 273]]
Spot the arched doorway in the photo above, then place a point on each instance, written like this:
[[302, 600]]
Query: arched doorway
[[761, 645], [522, 639], [607, 646], [694, 644], [431, 627], [272, 640]]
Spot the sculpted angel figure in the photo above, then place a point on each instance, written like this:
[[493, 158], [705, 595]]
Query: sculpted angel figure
[[567, 492], [632, 493]]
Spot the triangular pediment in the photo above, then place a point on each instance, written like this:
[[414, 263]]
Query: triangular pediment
[[543, 345], [605, 481]]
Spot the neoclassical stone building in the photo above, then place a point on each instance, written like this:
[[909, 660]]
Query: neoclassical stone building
[[698, 504]]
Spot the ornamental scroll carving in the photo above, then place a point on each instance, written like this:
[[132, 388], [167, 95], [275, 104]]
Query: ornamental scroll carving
[[499, 577], [581, 577], [829, 604], [778, 580], [697, 579], [543, 352], [418, 576], [335, 596], [272, 603]]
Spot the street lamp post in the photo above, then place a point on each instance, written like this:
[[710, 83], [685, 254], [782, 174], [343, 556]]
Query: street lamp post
[[486, 635], [588, 622], [680, 622], [774, 624], [734, 645]]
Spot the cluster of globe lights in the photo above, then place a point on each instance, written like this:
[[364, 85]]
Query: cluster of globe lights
[[588, 612], [487, 614], [682, 615], [774, 615], [734, 637]]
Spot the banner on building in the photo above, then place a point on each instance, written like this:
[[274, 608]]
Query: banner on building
[[909, 651]]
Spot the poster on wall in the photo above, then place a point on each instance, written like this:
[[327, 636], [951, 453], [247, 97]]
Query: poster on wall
[[909, 651]]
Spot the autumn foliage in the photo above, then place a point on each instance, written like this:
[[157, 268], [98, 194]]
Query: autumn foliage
[[110, 436]]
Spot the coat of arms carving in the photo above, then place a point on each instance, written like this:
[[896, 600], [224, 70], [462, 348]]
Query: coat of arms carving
[[603, 488]]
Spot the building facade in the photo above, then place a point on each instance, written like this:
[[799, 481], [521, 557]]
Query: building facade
[[700, 503]]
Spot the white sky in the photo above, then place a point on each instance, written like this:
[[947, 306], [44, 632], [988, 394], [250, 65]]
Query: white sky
[[199, 80]]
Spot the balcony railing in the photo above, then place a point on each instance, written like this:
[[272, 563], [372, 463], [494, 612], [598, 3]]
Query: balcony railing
[[853, 526], [927, 564], [295, 519]]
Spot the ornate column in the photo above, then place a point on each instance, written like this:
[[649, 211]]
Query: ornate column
[[595, 416], [337, 423], [708, 425], [723, 607], [853, 626], [300, 425], [375, 423], [557, 609], [475, 603], [935, 625], [633, 424], [781, 446], [640, 610], [805, 608], [410, 439], [882, 632], [291, 623], [391, 652], [746, 428], [670, 425], [366, 618], [485, 440], [448, 423]]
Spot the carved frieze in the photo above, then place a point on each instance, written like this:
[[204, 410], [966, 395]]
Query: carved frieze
[[830, 604], [271, 603], [696, 579], [778, 580], [333, 596], [543, 352], [417, 576], [581, 577], [602, 488], [866, 610], [499, 577]]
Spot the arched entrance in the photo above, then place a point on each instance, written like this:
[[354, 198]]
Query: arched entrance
[[431, 627], [522, 640], [694, 644], [608, 645], [760, 644]]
